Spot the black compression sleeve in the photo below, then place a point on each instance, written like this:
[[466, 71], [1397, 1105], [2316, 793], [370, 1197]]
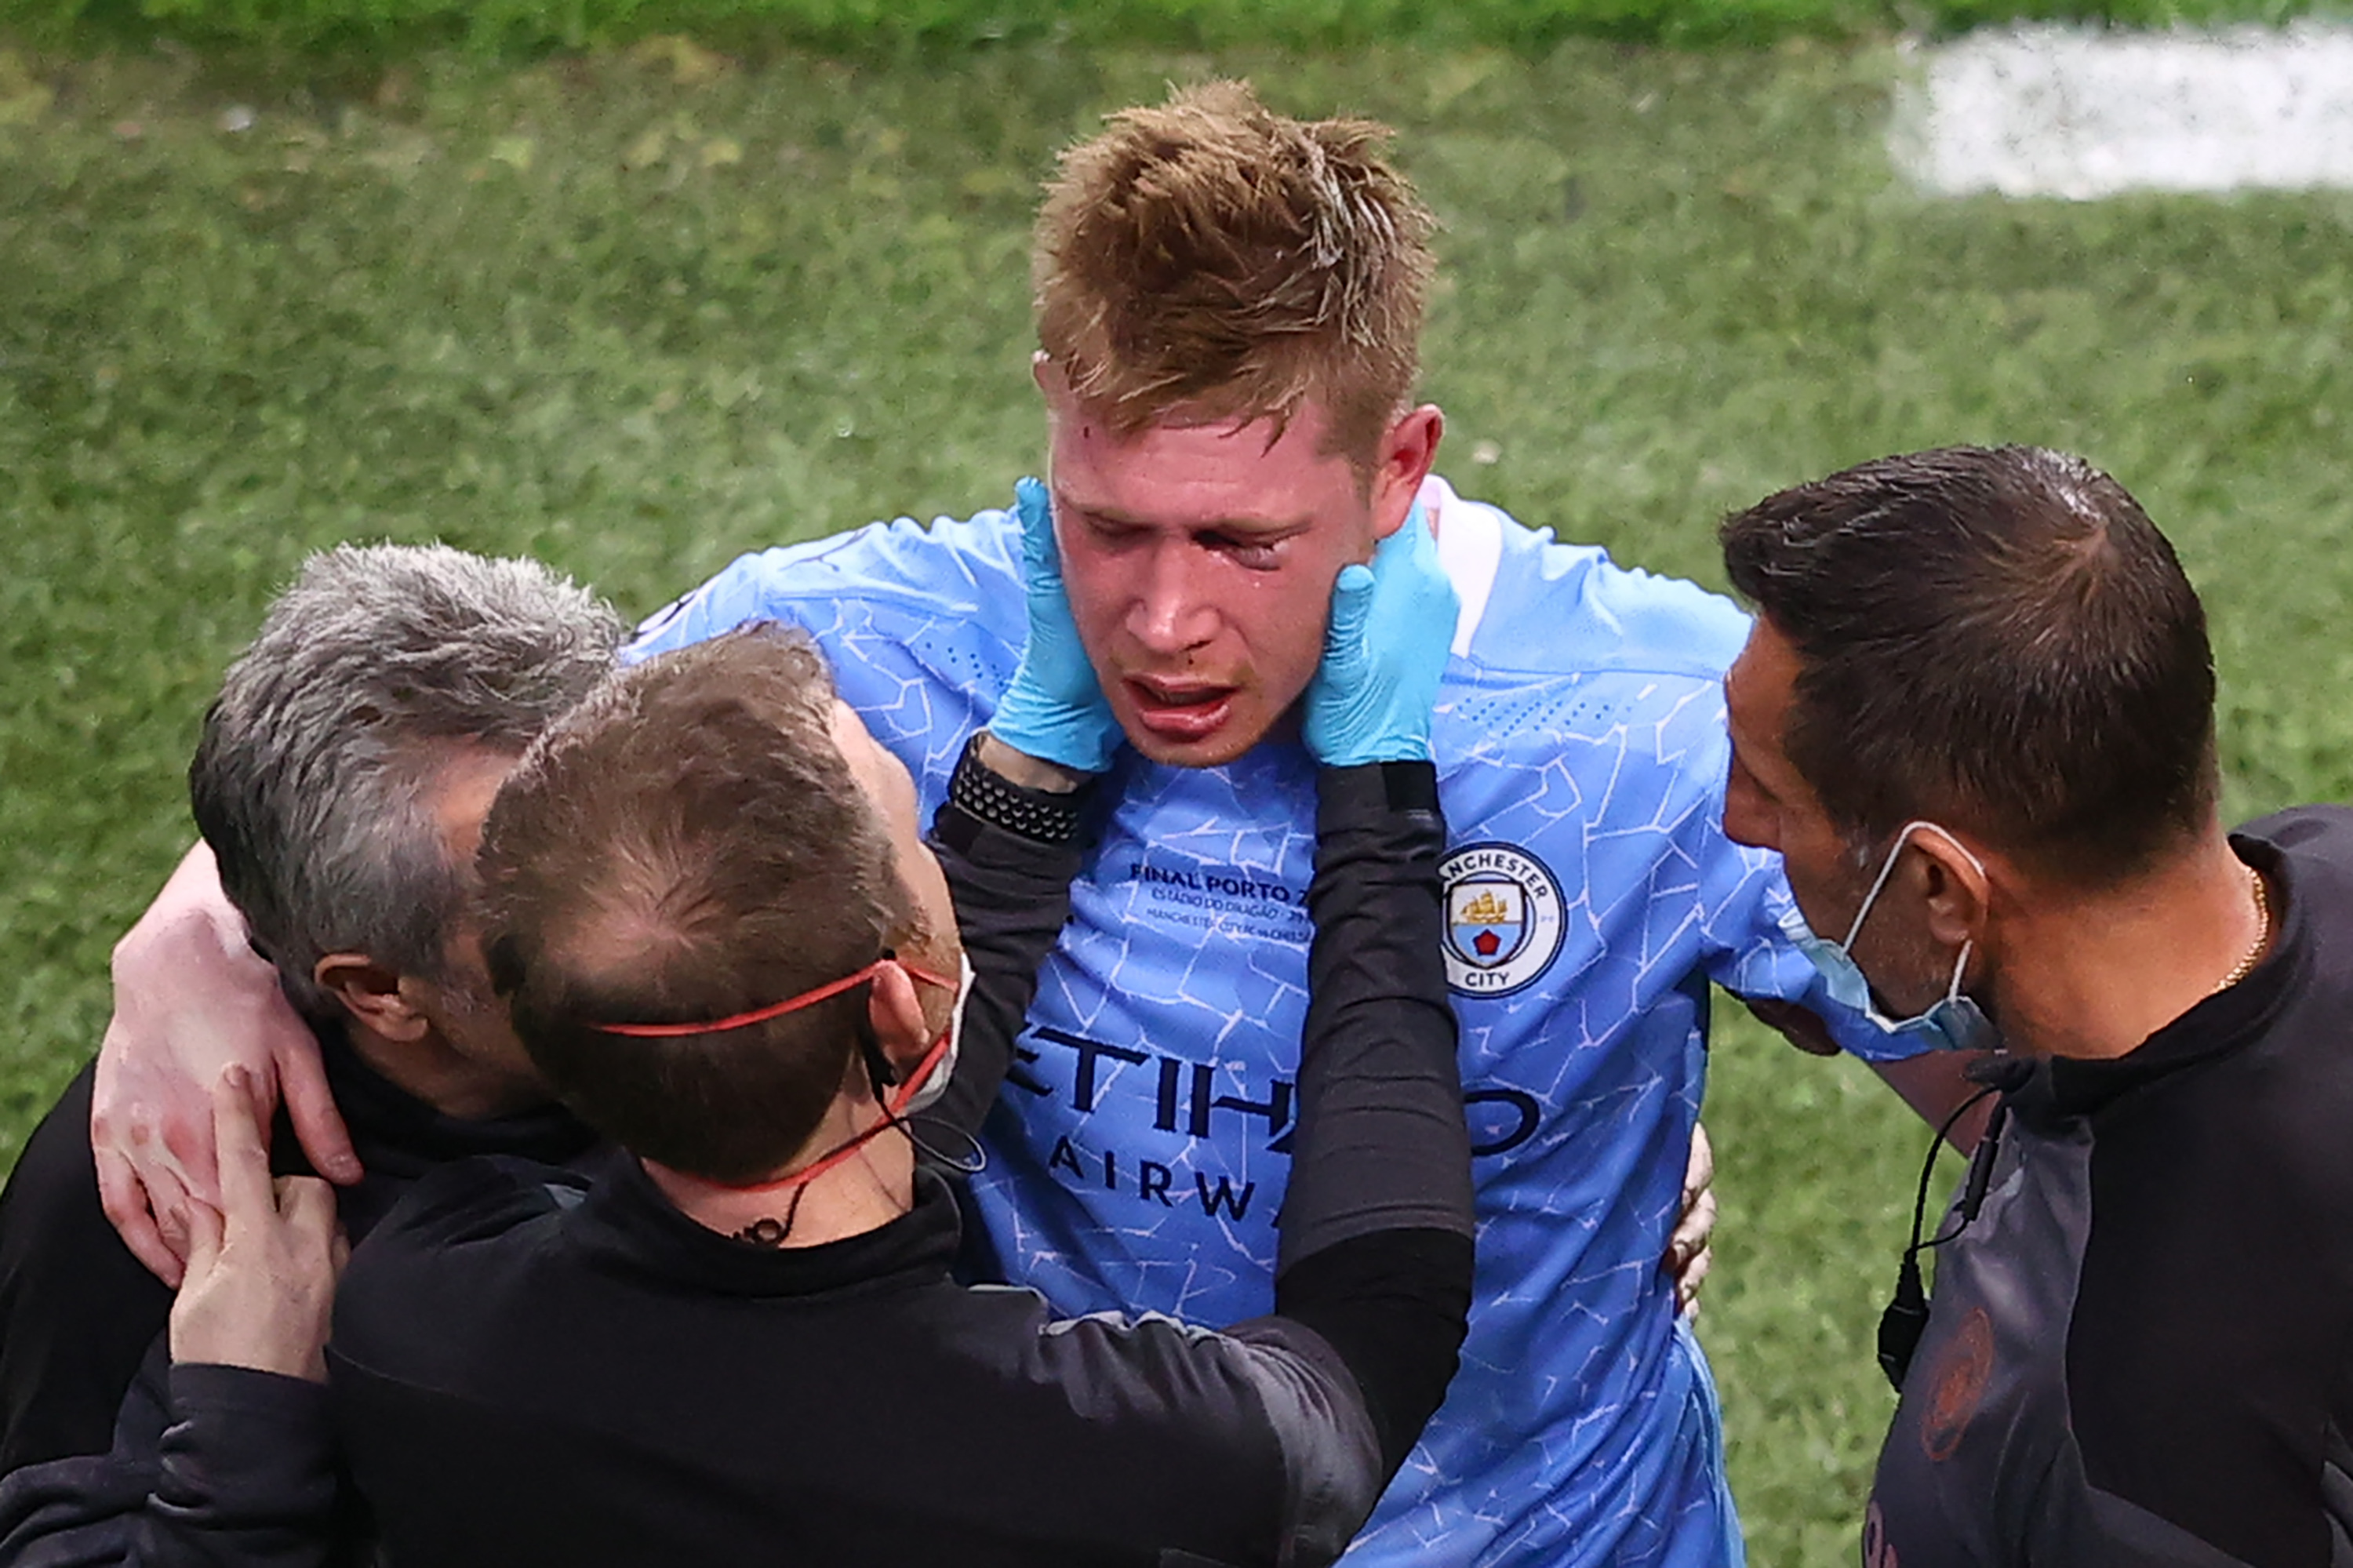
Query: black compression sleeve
[[1012, 895], [1382, 1143], [1374, 1253], [1395, 1305]]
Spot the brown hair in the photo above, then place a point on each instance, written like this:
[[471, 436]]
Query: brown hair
[[1213, 259], [687, 845], [1996, 639]]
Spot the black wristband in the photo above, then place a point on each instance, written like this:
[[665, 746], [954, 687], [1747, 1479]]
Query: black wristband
[[1041, 816], [1381, 786]]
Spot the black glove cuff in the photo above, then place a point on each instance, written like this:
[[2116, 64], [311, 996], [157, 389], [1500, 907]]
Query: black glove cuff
[[1041, 816]]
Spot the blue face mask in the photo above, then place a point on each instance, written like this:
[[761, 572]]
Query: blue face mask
[[1955, 1023]]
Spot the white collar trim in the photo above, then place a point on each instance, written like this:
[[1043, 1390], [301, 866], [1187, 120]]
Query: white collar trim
[[1470, 548]]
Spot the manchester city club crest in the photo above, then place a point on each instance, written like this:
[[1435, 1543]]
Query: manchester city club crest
[[1503, 918]]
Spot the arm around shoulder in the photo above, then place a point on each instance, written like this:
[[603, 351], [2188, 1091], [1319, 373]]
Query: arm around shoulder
[[191, 1000]]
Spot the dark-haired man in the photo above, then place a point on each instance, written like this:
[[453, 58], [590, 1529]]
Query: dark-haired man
[[735, 1338], [1976, 715]]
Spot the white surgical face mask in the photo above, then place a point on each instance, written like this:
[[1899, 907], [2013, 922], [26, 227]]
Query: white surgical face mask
[[1955, 1023], [937, 1084]]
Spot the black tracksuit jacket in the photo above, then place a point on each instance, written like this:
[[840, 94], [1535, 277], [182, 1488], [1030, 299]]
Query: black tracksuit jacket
[[532, 1364], [529, 1367], [114, 1455], [2140, 1350]]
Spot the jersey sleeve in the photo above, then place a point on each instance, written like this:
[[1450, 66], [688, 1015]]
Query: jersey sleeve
[[1752, 955], [922, 625], [961, 568], [1668, 644]]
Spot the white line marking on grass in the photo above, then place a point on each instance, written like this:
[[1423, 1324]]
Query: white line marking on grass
[[2061, 111]]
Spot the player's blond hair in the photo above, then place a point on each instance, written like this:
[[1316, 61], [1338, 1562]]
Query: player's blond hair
[[1209, 259]]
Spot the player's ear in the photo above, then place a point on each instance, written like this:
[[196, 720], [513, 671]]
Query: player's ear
[[374, 994], [1408, 450]]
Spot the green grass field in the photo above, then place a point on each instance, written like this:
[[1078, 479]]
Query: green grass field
[[635, 315], [895, 29]]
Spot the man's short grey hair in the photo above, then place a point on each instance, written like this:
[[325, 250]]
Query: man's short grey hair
[[312, 779]]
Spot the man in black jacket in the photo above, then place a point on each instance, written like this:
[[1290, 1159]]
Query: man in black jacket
[[340, 783], [736, 1338], [1976, 715]]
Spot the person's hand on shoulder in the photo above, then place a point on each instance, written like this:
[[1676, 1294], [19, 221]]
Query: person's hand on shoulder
[[1384, 651], [191, 1000], [262, 1267], [1054, 710]]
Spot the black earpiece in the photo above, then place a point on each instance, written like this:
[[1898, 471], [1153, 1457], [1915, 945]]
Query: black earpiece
[[880, 1073], [1905, 1317]]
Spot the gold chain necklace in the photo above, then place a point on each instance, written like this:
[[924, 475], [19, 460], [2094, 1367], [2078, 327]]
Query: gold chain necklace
[[2246, 966]]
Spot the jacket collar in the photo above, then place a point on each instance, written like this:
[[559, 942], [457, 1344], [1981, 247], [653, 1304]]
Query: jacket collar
[[625, 1219]]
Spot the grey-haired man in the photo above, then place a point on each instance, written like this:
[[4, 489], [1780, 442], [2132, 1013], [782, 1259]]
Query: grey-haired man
[[340, 785]]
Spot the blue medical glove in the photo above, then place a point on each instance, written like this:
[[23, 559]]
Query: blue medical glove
[[1054, 710], [1384, 654]]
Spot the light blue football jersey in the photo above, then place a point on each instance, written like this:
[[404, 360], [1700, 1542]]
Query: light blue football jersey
[[1138, 1153]]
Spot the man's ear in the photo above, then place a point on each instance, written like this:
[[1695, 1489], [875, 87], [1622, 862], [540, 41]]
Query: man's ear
[[896, 1015], [1957, 887], [374, 994], [1408, 447]]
